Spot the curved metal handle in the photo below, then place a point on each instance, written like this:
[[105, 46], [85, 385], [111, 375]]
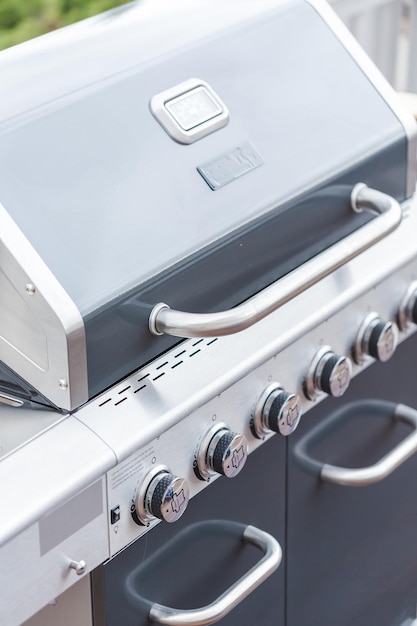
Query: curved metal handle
[[385, 466], [356, 477], [164, 320], [234, 595]]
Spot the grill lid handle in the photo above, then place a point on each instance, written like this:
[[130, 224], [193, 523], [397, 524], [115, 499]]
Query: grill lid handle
[[164, 320]]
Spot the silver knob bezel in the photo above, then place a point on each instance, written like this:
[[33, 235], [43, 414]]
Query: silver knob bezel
[[312, 383], [203, 467], [143, 513], [360, 350], [265, 401], [406, 307]]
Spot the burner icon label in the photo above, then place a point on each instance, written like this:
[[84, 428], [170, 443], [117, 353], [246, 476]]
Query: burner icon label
[[238, 456], [178, 501], [343, 376], [292, 415]]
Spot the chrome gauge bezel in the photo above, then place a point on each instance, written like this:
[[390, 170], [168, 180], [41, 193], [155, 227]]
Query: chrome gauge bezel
[[140, 497], [312, 383], [406, 307], [203, 467], [259, 427]]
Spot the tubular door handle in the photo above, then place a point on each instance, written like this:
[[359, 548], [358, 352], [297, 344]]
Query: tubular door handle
[[164, 320], [220, 607], [385, 466], [357, 477], [234, 595]]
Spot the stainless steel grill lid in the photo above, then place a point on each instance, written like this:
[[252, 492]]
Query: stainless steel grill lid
[[187, 152]]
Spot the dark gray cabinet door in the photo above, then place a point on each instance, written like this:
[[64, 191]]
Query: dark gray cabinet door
[[192, 573], [352, 551]]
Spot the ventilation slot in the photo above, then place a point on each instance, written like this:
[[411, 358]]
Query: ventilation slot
[[154, 375]]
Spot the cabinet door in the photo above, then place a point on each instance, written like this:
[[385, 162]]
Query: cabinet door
[[352, 550], [193, 574]]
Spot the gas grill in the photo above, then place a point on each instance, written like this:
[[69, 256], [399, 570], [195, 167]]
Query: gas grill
[[207, 251]]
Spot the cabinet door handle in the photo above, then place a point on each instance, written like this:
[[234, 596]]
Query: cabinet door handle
[[164, 320], [220, 607], [357, 477]]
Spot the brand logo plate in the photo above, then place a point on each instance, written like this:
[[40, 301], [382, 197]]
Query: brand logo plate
[[234, 164]]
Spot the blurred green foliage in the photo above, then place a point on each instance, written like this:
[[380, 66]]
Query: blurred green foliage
[[24, 19]]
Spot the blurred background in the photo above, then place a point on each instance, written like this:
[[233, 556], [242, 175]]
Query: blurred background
[[25, 19], [387, 29]]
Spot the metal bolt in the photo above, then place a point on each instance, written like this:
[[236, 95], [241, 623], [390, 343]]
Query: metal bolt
[[63, 383], [30, 289], [78, 566]]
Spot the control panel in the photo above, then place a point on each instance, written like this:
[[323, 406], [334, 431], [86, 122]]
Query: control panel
[[158, 482]]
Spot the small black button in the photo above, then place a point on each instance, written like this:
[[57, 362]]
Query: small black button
[[115, 514]]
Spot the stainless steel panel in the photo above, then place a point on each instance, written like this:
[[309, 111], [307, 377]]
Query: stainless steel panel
[[47, 471], [42, 333], [71, 607], [64, 521], [30, 579], [19, 424]]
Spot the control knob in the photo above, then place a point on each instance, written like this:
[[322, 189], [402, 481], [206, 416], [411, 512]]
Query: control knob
[[161, 496], [221, 451], [328, 373], [408, 307], [375, 338], [277, 410]]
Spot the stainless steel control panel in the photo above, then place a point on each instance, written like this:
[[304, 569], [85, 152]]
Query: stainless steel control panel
[[276, 396]]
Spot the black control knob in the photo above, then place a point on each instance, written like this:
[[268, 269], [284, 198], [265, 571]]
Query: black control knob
[[375, 338], [277, 411], [161, 495], [382, 341], [167, 497], [228, 454], [408, 307], [328, 373], [221, 452]]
